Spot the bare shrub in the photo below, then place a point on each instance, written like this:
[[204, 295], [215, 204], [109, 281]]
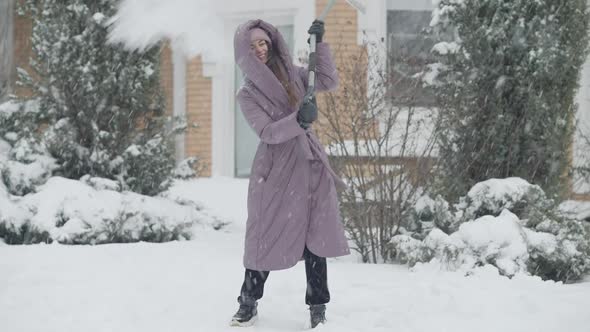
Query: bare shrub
[[380, 142]]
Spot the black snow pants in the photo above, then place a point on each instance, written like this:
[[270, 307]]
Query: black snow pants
[[316, 271]]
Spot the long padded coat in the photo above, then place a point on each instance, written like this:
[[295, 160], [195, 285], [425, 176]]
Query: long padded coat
[[292, 198]]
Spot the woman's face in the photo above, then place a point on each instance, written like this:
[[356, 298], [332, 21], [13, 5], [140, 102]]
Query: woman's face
[[260, 48]]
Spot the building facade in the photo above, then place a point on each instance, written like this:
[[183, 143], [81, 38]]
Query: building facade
[[203, 89]]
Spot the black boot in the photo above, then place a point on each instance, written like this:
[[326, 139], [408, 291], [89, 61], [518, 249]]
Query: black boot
[[247, 314], [317, 314]]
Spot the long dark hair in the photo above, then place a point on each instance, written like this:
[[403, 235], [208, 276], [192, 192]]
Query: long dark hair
[[277, 67]]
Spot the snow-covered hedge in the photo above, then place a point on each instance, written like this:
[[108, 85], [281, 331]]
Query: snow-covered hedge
[[91, 211], [38, 205], [24, 161], [497, 122], [27, 166], [508, 223]]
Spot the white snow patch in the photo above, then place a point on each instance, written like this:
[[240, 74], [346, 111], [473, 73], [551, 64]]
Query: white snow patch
[[431, 74], [576, 209], [444, 48], [11, 136], [159, 287], [133, 150], [499, 237], [223, 197], [98, 17], [497, 192], [101, 183], [9, 107]]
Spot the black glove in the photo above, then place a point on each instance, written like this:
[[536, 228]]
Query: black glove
[[304, 125], [308, 112], [317, 28]]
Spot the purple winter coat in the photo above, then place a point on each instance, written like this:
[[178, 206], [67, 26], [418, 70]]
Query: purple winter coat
[[285, 213]]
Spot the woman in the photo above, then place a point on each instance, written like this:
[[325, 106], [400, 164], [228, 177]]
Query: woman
[[293, 209]]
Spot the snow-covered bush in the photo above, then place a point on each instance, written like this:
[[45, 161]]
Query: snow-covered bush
[[428, 213], [561, 249], [19, 119], [409, 250], [581, 169], [72, 212], [101, 183], [38, 206], [490, 197], [144, 167], [22, 179], [493, 196], [506, 87], [29, 165], [99, 108], [25, 161], [508, 223], [95, 115], [186, 169]]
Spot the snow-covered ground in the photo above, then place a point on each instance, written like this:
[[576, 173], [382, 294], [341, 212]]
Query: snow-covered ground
[[193, 285]]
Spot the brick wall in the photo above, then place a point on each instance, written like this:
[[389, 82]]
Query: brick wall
[[23, 28], [167, 77], [198, 111], [341, 34], [6, 46], [198, 107]]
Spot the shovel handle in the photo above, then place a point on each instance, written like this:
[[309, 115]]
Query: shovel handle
[[312, 53], [326, 10]]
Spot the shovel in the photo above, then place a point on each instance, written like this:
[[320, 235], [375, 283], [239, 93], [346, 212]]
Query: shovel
[[310, 95]]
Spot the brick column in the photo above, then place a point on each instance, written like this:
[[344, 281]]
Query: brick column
[[166, 77], [341, 34], [6, 47], [23, 28], [198, 113]]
